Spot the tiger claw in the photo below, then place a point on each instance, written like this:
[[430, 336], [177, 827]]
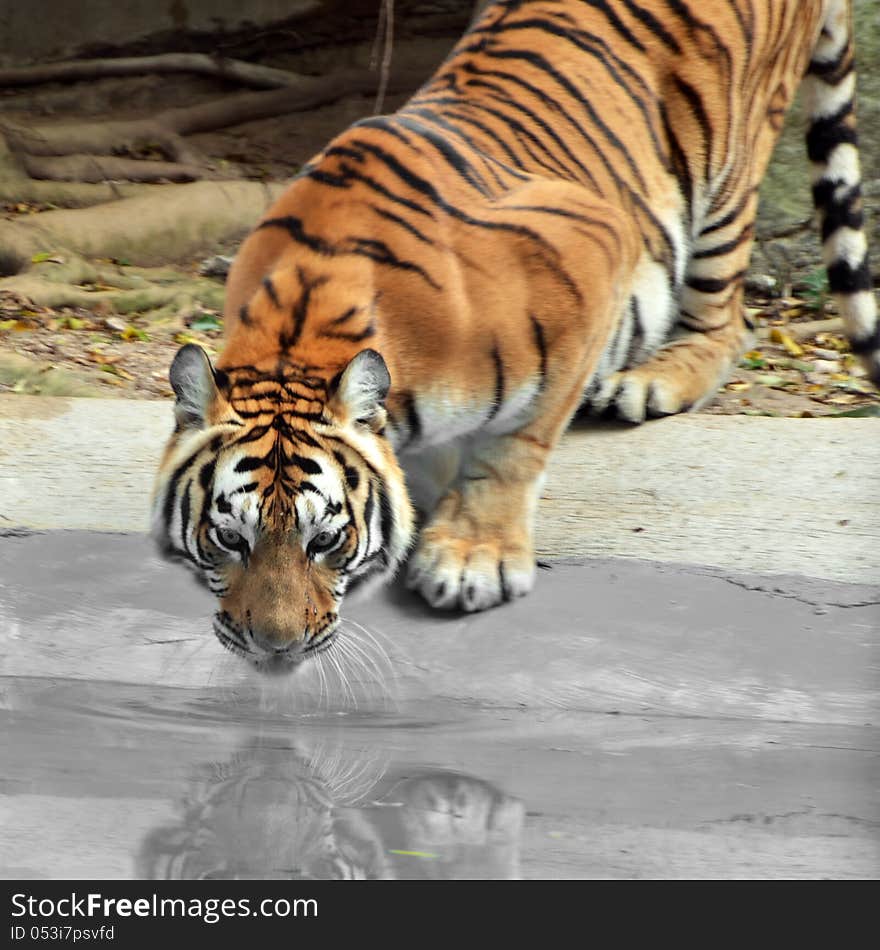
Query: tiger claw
[[468, 576]]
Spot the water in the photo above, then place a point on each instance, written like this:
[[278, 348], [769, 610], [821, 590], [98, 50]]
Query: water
[[682, 726]]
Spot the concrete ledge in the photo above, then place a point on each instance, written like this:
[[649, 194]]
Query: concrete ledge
[[788, 496]]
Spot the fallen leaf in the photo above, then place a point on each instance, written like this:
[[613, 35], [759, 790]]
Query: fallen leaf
[[116, 371], [860, 413], [844, 399], [772, 381], [791, 347], [206, 321]]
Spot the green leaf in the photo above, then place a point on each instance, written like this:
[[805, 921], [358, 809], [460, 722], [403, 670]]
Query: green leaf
[[753, 362], [860, 413], [207, 321], [39, 258]]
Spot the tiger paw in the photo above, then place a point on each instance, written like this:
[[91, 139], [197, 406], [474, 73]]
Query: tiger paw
[[451, 572], [637, 395]]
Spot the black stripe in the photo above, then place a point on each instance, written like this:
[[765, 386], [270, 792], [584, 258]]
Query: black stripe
[[426, 188], [699, 112], [727, 247], [867, 344], [295, 229], [244, 315], [521, 132], [655, 27], [442, 118], [540, 62], [555, 105], [348, 175], [597, 47], [355, 337], [346, 152], [541, 344], [351, 474], [712, 285], [680, 165], [344, 317], [833, 71], [448, 105], [396, 219], [369, 505], [171, 491], [824, 135], [185, 511], [386, 516], [843, 212], [269, 287], [301, 308], [498, 398], [379, 252], [731, 215], [307, 465], [845, 279], [299, 435], [451, 156], [413, 420], [251, 463]]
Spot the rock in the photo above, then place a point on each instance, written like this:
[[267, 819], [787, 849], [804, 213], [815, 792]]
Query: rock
[[216, 266], [762, 284], [826, 366], [115, 323]]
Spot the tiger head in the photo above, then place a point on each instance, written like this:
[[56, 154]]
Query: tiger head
[[279, 487]]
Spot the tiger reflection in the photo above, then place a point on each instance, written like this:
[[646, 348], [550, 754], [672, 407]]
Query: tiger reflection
[[278, 814]]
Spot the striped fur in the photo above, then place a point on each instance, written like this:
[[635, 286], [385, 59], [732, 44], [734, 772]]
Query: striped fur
[[560, 219]]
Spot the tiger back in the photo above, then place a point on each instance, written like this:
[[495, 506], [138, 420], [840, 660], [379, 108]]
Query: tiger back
[[560, 219]]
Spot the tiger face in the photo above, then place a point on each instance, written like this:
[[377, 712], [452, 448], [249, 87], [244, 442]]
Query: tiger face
[[281, 491]]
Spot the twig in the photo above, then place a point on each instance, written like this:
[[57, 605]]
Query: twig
[[386, 27], [263, 77], [786, 230], [803, 331]]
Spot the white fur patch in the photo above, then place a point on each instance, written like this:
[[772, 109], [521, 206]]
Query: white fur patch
[[821, 99], [845, 244], [859, 313], [842, 166]]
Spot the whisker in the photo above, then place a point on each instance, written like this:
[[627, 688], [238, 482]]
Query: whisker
[[333, 655]]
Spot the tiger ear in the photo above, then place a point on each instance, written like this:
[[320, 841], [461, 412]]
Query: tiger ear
[[359, 391], [195, 383]]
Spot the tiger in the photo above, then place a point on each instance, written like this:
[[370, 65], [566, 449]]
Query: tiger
[[558, 222], [277, 813]]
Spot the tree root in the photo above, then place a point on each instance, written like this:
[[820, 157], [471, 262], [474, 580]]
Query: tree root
[[49, 293], [98, 168], [248, 74], [165, 131], [169, 223]]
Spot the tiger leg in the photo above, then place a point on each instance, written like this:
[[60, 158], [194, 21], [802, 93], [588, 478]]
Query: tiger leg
[[476, 551], [682, 375], [712, 332]]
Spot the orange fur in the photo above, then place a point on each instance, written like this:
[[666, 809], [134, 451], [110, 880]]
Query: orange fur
[[576, 182]]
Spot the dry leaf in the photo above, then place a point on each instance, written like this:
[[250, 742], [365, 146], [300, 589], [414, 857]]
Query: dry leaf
[[791, 347]]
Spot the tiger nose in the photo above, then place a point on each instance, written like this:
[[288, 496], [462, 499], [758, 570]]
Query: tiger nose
[[277, 643]]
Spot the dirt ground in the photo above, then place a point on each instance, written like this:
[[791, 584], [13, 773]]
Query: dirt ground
[[800, 365]]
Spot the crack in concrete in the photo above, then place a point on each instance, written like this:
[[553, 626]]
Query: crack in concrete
[[785, 594]]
